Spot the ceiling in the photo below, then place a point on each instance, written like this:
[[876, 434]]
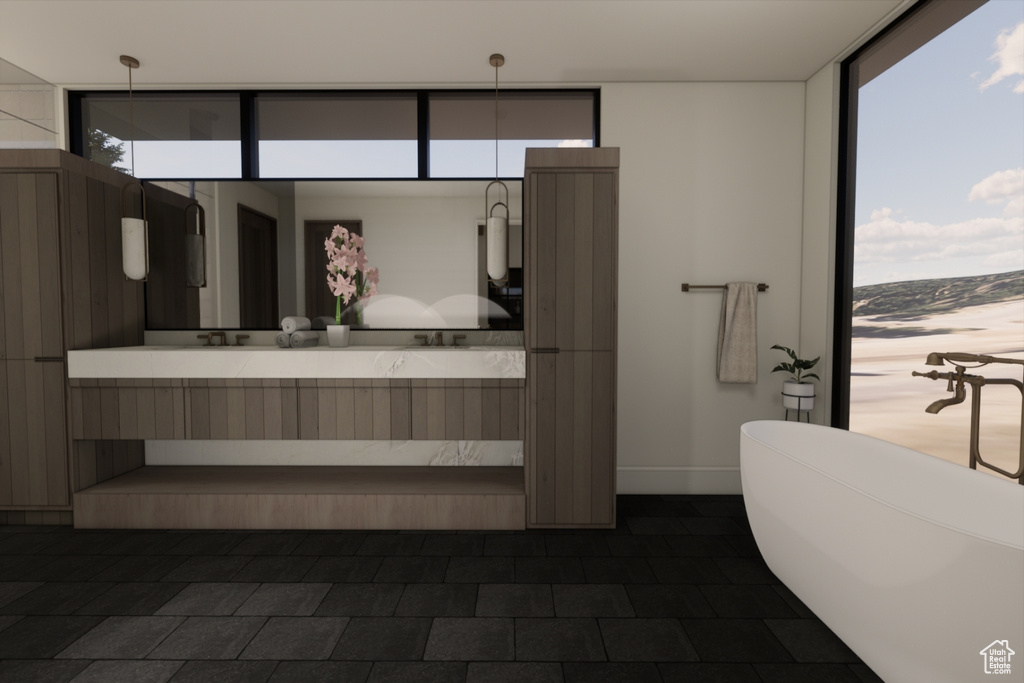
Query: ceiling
[[395, 43]]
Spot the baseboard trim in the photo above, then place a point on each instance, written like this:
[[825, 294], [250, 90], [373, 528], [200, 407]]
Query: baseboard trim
[[679, 480]]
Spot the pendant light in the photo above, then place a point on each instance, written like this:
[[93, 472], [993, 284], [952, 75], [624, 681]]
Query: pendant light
[[134, 231], [195, 248], [497, 226]]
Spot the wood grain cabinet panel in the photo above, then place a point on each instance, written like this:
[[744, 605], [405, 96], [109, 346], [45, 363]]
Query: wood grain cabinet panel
[[571, 237]]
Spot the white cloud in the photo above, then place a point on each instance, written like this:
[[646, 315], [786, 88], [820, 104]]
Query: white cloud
[[1010, 260], [1009, 56], [1002, 186], [888, 239]]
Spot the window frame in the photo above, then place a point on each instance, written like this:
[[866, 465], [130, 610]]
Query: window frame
[[922, 22], [250, 135]]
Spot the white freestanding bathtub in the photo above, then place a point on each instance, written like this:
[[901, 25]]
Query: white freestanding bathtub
[[915, 562]]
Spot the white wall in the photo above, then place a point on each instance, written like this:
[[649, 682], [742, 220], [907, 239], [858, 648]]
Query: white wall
[[711, 191], [425, 247], [222, 262]]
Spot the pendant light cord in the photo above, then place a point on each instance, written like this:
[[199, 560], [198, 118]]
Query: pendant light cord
[[496, 121], [131, 119]]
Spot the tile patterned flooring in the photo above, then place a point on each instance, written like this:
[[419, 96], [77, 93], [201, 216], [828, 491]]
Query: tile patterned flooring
[[678, 592]]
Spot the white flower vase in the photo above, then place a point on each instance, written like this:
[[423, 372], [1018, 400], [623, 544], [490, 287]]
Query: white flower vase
[[338, 336], [798, 396]]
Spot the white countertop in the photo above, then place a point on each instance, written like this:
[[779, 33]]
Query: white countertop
[[320, 362]]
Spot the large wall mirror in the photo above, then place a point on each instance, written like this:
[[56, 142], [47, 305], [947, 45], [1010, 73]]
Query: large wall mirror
[[265, 255]]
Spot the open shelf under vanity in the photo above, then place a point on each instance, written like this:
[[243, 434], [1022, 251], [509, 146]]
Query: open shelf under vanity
[[306, 497]]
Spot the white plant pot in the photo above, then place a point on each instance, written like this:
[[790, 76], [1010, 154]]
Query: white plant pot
[[338, 336], [798, 396]]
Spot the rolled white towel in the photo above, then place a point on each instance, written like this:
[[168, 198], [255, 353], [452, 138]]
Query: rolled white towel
[[304, 339], [294, 323], [283, 340], [321, 322]]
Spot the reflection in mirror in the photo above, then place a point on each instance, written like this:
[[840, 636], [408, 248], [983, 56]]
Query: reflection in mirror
[[266, 257]]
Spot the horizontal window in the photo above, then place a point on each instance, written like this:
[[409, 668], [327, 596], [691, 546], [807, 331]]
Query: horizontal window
[[329, 134], [175, 136], [337, 136], [463, 128]]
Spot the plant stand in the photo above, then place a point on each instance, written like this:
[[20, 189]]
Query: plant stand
[[798, 398]]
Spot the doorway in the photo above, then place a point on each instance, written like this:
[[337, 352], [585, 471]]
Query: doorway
[[257, 270]]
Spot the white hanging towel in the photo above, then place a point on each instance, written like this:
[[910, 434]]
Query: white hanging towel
[[737, 334]]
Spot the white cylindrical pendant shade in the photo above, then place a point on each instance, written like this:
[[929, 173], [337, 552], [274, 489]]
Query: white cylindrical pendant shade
[[134, 254], [497, 247], [195, 260]]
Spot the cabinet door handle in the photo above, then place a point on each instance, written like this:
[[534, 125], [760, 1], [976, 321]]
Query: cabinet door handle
[[49, 359], [545, 350]]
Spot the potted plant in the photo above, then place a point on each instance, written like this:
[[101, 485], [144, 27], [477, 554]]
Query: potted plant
[[796, 393], [350, 278]]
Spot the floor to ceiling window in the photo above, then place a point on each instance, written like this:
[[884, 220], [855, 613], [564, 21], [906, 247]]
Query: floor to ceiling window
[[936, 203]]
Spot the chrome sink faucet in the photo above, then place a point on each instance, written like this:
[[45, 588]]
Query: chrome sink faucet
[[209, 337], [437, 339]]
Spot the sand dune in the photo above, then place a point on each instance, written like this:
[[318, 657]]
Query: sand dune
[[888, 403]]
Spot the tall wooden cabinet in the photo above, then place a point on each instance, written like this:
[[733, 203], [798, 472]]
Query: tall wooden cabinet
[[61, 287], [571, 236]]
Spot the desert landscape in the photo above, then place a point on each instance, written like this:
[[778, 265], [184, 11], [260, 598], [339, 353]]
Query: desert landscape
[[894, 329]]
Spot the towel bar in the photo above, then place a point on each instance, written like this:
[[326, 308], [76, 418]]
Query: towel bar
[[761, 287]]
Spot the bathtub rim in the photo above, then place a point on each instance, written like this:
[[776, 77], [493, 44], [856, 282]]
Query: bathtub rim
[[1009, 529]]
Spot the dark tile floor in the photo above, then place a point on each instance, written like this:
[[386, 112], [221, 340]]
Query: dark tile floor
[[678, 592]]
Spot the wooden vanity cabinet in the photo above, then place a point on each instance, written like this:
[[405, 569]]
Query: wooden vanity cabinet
[[571, 236], [61, 287]]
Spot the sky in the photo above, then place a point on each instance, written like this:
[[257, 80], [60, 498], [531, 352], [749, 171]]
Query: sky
[[940, 155]]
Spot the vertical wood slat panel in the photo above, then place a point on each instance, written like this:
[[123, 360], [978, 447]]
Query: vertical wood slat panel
[[542, 409], [163, 410], [273, 423], [565, 260], [10, 269], [35, 433], [308, 417], [31, 268], [327, 409], [490, 410], [401, 410], [104, 461], [92, 415], [510, 410], [435, 409], [236, 408], [79, 316], [6, 446], [145, 399], [113, 283], [605, 203], [218, 398], [454, 409], [381, 392], [564, 437], [253, 409], [530, 258], [583, 441], [85, 459], [472, 418], [51, 342], [128, 412], [363, 410], [53, 377], [418, 398], [603, 425], [583, 288], [110, 413], [545, 258], [345, 409], [96, 201], [289, 410], [201, 418]]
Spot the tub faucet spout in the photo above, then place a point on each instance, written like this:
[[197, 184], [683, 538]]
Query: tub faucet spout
[[959, 397]]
